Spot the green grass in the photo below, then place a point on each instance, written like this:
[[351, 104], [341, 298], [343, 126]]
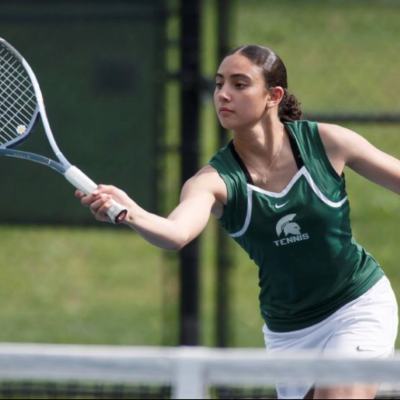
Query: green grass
[[79, 286], [340, 56], [108, 286]]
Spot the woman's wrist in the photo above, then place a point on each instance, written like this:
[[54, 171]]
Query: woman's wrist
[[134, 215]]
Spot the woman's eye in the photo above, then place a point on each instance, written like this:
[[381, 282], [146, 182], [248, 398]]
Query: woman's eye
[[238, 85]]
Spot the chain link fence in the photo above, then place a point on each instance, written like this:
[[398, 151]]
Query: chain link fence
[[101, 69], [100, 65]]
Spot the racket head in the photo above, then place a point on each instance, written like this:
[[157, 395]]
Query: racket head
[[19, 107]]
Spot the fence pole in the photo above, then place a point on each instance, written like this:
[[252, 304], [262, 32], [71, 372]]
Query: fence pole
[[224, 258], [190, 150]]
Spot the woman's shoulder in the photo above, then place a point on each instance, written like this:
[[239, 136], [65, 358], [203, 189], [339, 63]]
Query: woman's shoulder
[[334, 137], [209, 179], [206, 177], [321, 140], [207, 172], [222, 155], [331, 135]]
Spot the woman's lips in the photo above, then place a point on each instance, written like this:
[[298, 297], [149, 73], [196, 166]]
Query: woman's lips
[[225, 111]]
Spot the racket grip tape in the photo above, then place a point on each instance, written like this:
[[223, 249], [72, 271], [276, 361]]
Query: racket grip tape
[[117, 213]]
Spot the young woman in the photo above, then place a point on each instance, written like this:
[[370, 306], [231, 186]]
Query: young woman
[[279, 190]]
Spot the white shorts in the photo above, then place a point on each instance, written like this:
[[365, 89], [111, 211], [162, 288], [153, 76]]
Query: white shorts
[[366, 327]]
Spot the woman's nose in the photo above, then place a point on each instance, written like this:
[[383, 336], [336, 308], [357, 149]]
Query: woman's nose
[[224, 95]]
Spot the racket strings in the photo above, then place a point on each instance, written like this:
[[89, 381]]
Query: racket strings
[[13, 73], [12, 115], [11, 82], [10, 88], [18, 101]]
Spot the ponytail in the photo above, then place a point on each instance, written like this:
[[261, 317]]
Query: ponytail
[[289, 108]]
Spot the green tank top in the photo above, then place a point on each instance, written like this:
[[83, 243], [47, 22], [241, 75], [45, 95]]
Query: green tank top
[[301, 239]]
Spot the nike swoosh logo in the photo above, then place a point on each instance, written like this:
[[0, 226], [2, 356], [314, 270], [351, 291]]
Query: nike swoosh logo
[[283, 205], [360, 350]]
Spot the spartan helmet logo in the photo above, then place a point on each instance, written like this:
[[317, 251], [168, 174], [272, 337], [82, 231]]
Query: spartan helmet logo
[[287, 226]]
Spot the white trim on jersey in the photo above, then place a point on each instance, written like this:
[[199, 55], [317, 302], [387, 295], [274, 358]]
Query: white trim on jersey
[[285, 191], [302, 172], [249, 213], [310, 180], [320, 194]]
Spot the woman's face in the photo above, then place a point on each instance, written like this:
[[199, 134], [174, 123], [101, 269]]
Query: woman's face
[[240, 87]]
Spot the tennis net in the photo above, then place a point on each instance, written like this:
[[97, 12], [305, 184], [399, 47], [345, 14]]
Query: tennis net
[[86, 372]]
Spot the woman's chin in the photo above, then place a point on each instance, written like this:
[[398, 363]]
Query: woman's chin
[[227, 125]]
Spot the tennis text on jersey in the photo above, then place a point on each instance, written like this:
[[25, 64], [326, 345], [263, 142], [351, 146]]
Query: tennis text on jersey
[[291, 230]]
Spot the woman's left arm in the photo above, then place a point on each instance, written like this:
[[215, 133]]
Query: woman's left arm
[[361, 156]]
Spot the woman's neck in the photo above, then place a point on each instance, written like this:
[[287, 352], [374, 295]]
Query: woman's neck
[[261, 142]]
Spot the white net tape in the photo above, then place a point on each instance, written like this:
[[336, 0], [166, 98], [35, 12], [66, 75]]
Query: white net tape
[[190, 371]]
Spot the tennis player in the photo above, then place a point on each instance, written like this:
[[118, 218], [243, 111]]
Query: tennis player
[[279, 190]]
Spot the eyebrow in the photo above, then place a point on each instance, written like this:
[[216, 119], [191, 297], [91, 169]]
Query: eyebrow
[[234, 76]]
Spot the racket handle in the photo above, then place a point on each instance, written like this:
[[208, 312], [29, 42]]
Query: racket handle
[[77, 178]]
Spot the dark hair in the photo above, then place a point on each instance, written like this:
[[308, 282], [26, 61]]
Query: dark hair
[[275, 74]]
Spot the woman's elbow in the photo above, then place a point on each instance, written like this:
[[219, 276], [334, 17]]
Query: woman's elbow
[[175, 247], [178, 244], [182, 242]]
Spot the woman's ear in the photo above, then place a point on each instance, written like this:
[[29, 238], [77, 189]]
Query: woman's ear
[[275, 96]]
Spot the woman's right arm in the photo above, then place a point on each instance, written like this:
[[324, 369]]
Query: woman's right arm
[[184, 224]]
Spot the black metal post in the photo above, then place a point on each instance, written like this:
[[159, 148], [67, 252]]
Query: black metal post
[[190, 127], [224, 258]]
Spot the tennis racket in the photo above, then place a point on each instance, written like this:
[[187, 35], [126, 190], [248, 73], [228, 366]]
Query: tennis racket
[[21, 107]]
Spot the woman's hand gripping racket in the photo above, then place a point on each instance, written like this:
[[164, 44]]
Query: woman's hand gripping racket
[[21, 105]]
